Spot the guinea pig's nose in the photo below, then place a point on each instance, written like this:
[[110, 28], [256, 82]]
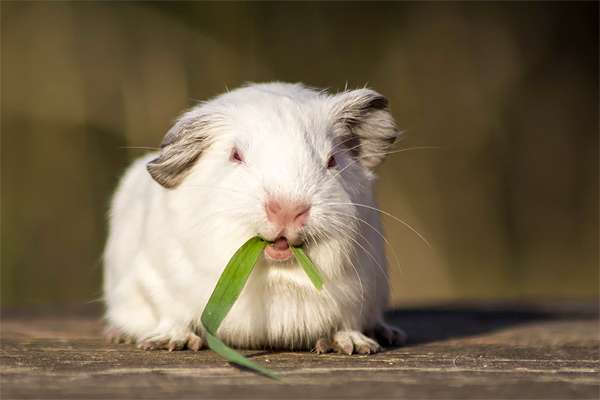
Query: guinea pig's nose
[[286, 213]]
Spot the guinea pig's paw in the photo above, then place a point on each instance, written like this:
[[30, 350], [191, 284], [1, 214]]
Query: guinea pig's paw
[[347, 342], [387, 334], [116, 336], [171, 342]]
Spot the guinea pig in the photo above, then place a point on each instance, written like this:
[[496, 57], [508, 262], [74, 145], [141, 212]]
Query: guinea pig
[[291, 164]]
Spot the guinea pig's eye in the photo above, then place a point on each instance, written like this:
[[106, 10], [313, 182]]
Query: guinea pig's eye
[[331, 163], [235, 156]]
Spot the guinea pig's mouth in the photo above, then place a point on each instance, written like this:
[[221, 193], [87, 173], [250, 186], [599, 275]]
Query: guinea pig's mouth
[[280, 249]]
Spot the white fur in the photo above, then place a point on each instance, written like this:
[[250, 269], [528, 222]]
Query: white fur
[[168, 247]]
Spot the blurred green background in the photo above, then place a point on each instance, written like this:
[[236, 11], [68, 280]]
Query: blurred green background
[[509, 90]]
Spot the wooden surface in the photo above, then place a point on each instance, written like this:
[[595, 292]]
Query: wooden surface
[[455, 352]]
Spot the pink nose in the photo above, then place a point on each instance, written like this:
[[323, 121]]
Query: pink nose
[[286, 214]]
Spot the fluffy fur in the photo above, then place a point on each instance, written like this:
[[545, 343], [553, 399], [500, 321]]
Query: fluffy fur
[[178, 216]]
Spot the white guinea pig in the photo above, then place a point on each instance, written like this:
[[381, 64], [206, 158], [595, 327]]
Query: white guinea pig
[[291, 164]]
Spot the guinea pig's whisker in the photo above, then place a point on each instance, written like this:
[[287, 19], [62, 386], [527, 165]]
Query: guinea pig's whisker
[[340, 171], [386, 153], [379, 233], [341, 143], [355, 271], [325, 239], [349, 149], [338, 144], [403, 150], [418, 148], [386, 241], [97, 300], [140, 147], [389, 215], [357, 243], [369, 253]]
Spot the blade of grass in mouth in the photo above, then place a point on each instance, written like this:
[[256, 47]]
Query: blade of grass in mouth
[[308, 267], [228, 290]]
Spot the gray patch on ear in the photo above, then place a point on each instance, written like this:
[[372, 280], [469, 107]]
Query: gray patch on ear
[[180, 149], [365, 126]]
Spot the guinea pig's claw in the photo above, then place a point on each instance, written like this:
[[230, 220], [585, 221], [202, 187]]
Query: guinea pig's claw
[[324, 345], [175, 345], [191, 341], [152, 344], [345, 349], [194, 343], [347, 342], [368, 349], [115, 336]]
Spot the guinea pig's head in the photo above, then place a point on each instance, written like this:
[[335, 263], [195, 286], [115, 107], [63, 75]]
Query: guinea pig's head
[[282, 161]]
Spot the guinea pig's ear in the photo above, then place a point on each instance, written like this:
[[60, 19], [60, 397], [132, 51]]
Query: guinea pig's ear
[[180, 149], [365, 126]]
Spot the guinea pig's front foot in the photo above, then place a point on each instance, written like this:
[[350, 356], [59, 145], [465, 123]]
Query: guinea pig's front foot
[[171, 341], [387, 334], [347, 342]]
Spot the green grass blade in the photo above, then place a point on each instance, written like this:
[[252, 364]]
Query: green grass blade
[[231, 283], [228, 290], [308, 267], [218, 347]]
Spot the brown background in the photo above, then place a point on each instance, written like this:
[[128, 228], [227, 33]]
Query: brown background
[[508, 90]]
